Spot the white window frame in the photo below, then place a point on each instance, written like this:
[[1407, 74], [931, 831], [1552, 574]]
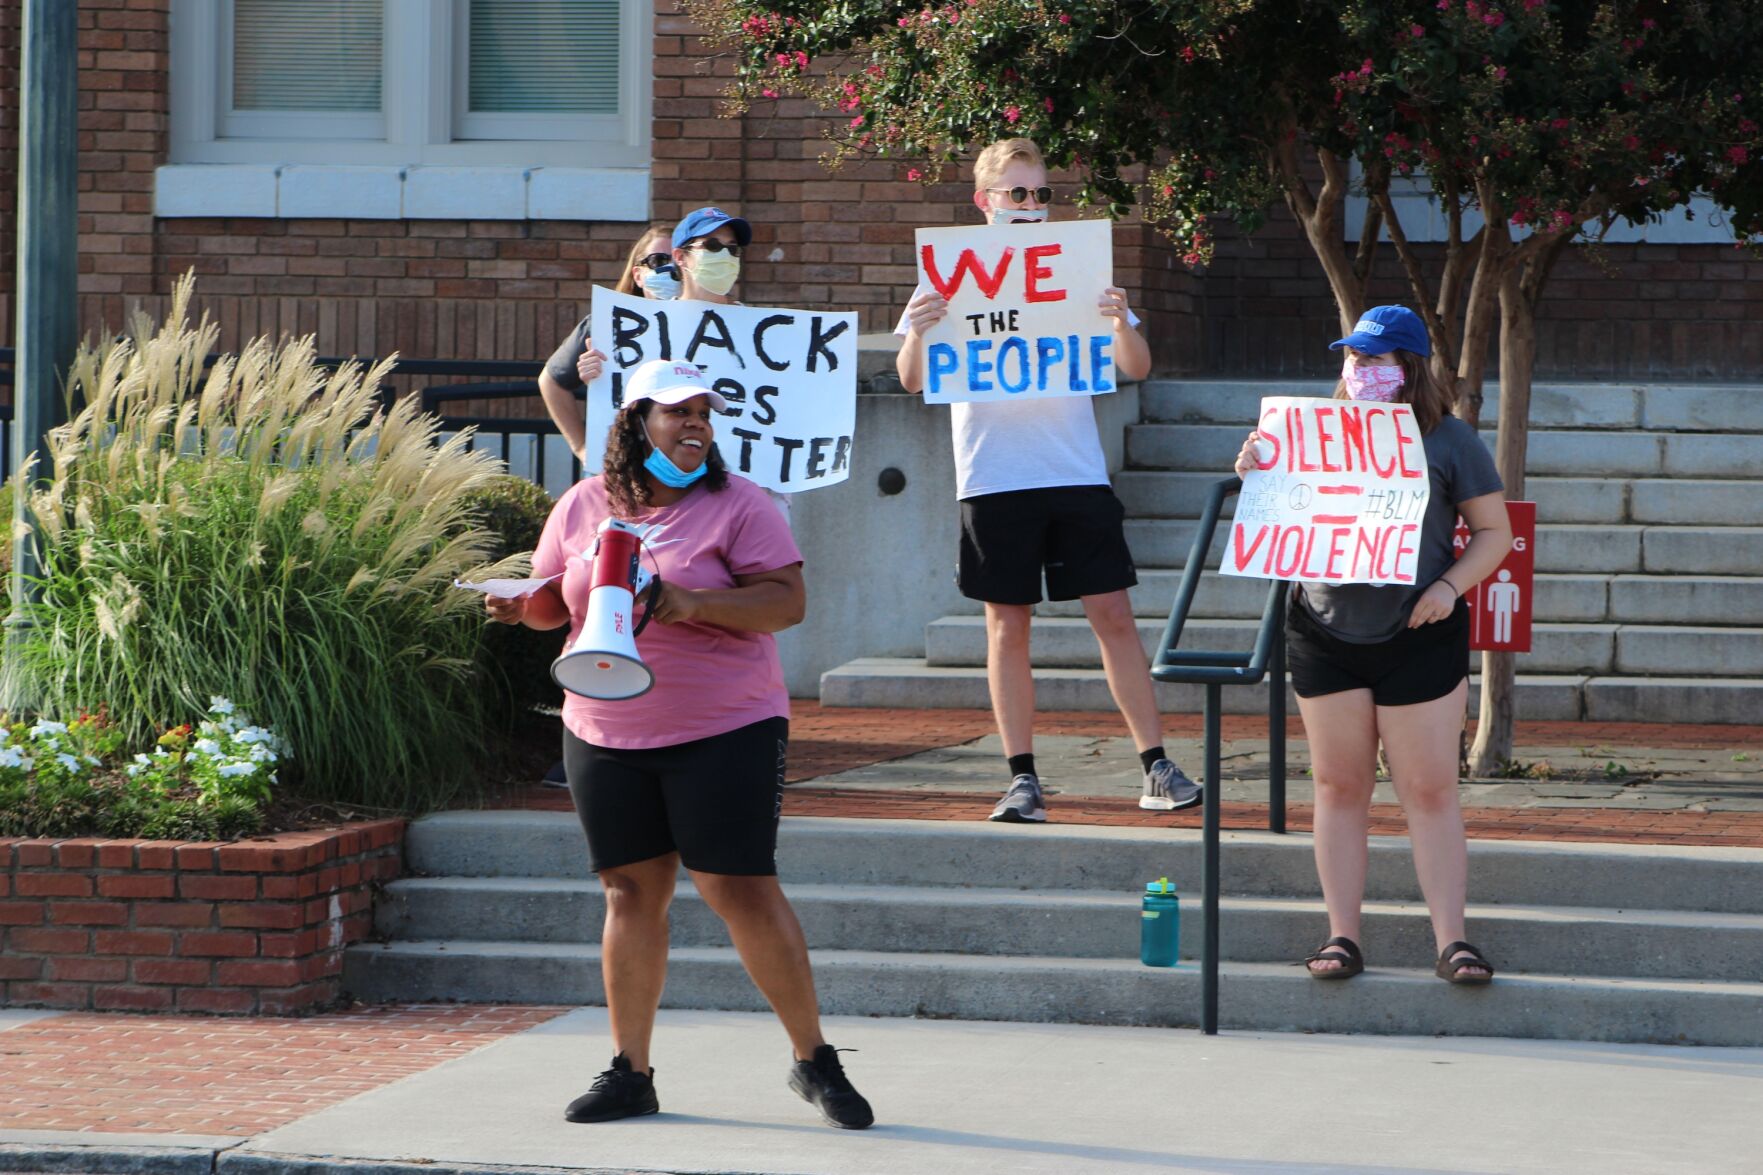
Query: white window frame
[[418, 93], [469, 127], [261, 124]]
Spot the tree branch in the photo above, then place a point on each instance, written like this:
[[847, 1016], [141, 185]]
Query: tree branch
[[1416, 275]]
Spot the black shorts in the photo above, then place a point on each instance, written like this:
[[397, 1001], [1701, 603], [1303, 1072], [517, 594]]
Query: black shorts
[[715, 800], [1073, 533], [1416, 665]]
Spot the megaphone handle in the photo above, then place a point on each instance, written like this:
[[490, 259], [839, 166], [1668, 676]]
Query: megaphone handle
[[650, 599]]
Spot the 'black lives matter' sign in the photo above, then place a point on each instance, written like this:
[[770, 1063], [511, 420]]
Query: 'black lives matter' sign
[[789, 376]]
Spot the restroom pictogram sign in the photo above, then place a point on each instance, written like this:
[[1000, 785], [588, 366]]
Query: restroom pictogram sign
[[1500, 606]]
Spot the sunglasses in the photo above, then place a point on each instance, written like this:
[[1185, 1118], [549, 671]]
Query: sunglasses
[[712, 245], [1020, 195], [657, 260]]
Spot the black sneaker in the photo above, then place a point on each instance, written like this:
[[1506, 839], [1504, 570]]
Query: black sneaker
[[823, 1084], [620, 1092]]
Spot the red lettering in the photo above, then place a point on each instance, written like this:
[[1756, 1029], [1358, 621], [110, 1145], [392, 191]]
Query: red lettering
[[1364, 554], [1324, 438], [1371, 443], [1309, 548], [1334, 551], [1402, 549], [1305, 465], [1383, 548], [1270, 438], [1403, 439], [1282, 569], [967, 263], [1237, 554], [1035, 271], [1352, 436]]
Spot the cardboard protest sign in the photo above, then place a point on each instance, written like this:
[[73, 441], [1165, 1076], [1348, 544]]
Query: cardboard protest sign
[[789, 376], [1338, 496], [1022, 319]]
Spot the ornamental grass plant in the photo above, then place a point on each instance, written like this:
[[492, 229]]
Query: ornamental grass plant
[[261, 530]]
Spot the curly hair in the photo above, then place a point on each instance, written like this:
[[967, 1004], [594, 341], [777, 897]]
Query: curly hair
[[1431, 401], [622, 472]]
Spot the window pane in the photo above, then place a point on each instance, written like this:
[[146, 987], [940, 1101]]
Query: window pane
[[310, 55], [544, 57]]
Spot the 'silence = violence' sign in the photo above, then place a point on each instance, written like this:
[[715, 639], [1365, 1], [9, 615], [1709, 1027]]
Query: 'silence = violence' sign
[[1338, 495]]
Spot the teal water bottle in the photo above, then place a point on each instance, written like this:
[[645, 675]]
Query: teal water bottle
[[1159, 924]]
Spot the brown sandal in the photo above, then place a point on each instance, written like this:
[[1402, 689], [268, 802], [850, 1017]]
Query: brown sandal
[[1451, 970], [1348, 956]]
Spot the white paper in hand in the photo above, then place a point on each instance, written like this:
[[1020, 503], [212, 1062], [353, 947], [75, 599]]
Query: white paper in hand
[[506, 589]]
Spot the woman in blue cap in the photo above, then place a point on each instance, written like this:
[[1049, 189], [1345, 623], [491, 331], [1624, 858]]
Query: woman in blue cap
[[1390, 663]]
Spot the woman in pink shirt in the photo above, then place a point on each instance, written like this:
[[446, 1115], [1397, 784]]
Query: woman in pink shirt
[[692, 771]]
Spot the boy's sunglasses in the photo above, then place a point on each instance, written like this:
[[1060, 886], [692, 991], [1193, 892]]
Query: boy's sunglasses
[[712, 245], [1020, 195], [657, 260]]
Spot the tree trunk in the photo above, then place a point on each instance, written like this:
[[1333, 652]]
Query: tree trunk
[[1319, 214], [1520, 288], [1478, 317]]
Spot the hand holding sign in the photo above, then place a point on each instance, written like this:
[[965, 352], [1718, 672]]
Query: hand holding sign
[[1334, 491], [1024, 316]]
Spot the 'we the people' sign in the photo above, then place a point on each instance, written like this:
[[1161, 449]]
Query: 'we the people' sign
[[789, 376], [1022, 318], [1338, 495]]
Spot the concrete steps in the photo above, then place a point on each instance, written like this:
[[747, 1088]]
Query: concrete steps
[[1051, 935]]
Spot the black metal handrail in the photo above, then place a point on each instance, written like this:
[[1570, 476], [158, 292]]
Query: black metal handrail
[[1215, 670]]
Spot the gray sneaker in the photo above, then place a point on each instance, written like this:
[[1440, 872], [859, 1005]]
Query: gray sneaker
[[1022, 804], [1167, 789]]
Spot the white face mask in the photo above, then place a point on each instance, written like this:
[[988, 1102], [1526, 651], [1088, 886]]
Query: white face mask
[[1018, 215]]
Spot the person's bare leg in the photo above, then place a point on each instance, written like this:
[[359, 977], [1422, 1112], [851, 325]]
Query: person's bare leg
[[1124, 664], [633, 951], [769, 939], [1421, 741], [1010, 676], [1342, 732]]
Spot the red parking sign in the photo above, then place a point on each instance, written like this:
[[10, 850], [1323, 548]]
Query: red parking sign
[[1500, 605]]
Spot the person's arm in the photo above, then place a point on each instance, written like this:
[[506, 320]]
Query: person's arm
[[922, 312], [765, 601], [1490, 537], [543, 609], [566, 413], [1132, 354]]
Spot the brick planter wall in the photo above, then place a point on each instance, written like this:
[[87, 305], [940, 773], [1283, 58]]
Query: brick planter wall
[[254, 926]]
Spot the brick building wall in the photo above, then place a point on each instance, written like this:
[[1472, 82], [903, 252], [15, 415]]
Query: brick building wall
[[511, 289]]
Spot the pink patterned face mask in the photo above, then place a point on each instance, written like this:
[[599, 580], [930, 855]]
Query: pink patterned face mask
[[1371, 383]]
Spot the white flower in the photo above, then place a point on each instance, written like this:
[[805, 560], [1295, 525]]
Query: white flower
[[254, 734], [90, 759], [144, 760], [219, 705], [233, 770], [261, 754], [44, 726], [132, 770], [209, 747], [69, 762], [13, 757]]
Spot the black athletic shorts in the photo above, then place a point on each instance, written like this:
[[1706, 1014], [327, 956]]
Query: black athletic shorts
[[1073, 533], [1416, 665], [715, 800]]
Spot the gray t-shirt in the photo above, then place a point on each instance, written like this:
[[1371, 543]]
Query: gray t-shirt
[[561, 364], [1364, 613]]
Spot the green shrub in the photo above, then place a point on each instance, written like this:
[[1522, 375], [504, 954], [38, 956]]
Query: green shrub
[[514, 510], [211, 782], [260, 532]]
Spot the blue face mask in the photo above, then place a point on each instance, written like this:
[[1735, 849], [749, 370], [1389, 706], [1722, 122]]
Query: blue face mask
[[663, 470], [662, 284]]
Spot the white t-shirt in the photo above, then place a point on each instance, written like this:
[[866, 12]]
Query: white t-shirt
[[1025, 444]]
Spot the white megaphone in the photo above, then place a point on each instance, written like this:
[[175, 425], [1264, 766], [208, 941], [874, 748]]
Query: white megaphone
[[604, 664]]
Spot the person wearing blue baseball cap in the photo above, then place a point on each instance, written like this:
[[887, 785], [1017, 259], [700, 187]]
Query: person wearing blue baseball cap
[[1389, 664], [707, 243]]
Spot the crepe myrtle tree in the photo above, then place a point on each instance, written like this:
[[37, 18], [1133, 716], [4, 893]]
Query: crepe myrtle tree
[[1531, 123]]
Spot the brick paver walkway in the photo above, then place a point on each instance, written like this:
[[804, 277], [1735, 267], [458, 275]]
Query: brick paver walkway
[[236, 1076]]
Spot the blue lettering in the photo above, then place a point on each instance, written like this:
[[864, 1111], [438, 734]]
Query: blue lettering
[[1048, 351], [1018, 346], [1073, 357], [942, 362], [976, 367], [1100, 361]]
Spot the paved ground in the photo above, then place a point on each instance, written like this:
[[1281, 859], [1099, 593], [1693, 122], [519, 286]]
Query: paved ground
[[983, 1097]]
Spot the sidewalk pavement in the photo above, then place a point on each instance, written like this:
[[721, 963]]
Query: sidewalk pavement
[[439, 1090]]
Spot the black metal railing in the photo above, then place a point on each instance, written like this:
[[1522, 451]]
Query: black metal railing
[[1215, 670]]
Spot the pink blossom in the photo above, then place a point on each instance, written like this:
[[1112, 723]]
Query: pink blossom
[[905, 22], [1188, 54], [1011, 114], [768, 92], [1738, 155], [1047, 105], [913, 174], [801, 59], [1416, 31], [857, 122], [1500, 72], [1494, 19], [1649, 24], [1064, 18], [1190, 259]]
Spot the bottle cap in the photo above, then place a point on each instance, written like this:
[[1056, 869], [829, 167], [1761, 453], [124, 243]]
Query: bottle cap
[[1161, 885]]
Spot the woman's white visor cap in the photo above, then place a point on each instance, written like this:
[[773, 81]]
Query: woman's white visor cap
[[669, 381]]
